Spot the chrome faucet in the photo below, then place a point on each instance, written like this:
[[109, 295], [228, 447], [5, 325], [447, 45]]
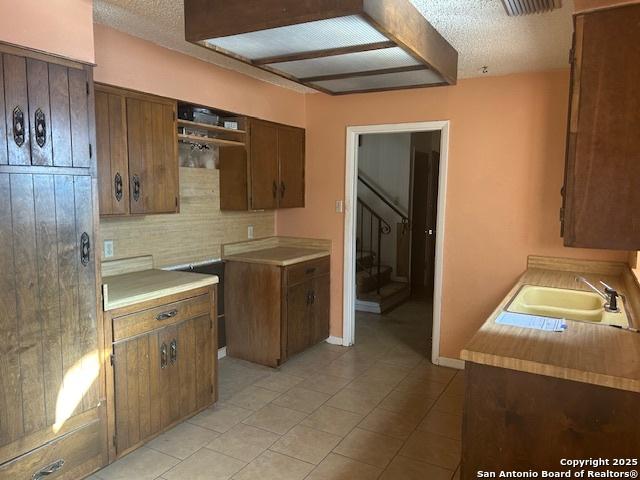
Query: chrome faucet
[[610, 294]]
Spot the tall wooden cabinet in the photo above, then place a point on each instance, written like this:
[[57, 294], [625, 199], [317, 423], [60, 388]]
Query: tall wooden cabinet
[[137, 152], [601, 195], [52, 401], [268, 173]]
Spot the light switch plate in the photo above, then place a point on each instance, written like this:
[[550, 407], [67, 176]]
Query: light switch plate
[[250, 232], [108, 248]]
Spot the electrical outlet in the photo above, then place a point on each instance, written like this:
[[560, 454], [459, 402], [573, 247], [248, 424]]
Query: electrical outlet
[[339, 206], [250, 232], [108, 248]]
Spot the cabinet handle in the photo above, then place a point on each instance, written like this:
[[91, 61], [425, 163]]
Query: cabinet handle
[[136, 187], [18, 126], [275, 189], [48, 470], [173, 351], [166, 315], [41, 128], [163, 355], [309, 294], [85, 249], [282, 189], [117, 186]]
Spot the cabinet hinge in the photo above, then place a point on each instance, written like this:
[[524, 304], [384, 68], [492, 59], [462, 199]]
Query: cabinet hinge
[[90, 151], [112, 359], [114, 439], [87, 83]]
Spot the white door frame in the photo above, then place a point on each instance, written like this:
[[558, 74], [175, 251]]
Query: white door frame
[[350, 203]]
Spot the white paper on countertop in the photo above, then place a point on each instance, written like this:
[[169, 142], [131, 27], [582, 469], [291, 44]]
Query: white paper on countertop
[[547, 324]]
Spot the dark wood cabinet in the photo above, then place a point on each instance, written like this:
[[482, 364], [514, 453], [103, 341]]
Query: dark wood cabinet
[[518, 421], [288, 310], [51, 376], [268, 173], [601, 198], [137, 152], [163, 365]]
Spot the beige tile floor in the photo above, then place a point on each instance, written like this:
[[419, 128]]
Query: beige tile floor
[[378, 410]]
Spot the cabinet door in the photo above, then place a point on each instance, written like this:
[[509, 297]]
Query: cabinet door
[[51, 368], [162, 377], [299, 317], [602, 174], [40, 112], [320, 309], [16, 110], [263, 155], [291, 163], [111, 149], [153, 155], [233, 178]]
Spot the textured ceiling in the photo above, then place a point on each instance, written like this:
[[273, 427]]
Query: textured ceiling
[[480, 30]]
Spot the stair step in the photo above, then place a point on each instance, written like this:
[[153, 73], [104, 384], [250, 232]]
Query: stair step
[[364, 260], [367, 280], [390, 296]]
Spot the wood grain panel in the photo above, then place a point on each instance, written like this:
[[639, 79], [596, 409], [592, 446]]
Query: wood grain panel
[[49, 305], [169, 381], [321, 308], [206, 360], [87, 340], [233, 178], [299, 318], [38, 88], [508, 416], [60, 115], [27, 296], [291, 144], [263, 159], [15, 95], [3, 122], [186, 361], [602, 165], [68, 265], [78, 100], [253, 328], [11, 417]]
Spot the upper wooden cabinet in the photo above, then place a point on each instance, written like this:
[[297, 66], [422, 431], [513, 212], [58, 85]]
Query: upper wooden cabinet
[[137, 152], [601, 195], [268, 173], [45, 113]]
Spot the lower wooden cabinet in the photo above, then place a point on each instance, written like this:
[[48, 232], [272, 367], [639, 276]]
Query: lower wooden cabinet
[[163, 366], [275, 312]]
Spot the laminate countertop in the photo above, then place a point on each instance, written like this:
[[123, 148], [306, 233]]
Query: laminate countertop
[[589, 353], [278, 256], [131, 288]]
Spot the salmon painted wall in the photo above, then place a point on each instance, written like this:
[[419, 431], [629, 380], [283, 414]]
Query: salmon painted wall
[[127, 61], [61, 27], [506, 161]]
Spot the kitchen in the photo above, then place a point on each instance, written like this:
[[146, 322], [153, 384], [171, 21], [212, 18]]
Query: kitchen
[[502, 203]]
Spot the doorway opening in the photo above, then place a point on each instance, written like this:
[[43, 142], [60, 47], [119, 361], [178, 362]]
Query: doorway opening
[[394, 231]]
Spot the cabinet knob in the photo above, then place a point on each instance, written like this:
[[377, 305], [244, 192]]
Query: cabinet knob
[[167, 315], [135, 180], [85, 249], [173, 351], [117, 186], [41, 127], [18, 126], [163, 355]]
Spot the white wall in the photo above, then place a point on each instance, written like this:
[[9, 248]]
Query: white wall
[[385, 159]]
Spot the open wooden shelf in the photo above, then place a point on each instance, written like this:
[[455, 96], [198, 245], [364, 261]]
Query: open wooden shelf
[[206, 126], [210, 141]]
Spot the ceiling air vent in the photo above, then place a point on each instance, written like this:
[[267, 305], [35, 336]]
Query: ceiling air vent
[[335, 46], [516, 8]]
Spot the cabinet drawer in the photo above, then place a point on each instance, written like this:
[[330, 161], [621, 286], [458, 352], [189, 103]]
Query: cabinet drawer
[[158, 317], [301, 272], [71, 456]]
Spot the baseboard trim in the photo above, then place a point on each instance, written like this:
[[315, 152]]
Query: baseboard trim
[[451, 362], [222, 352], [334, 340]]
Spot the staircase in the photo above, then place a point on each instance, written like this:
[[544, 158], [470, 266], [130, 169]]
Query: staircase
[[375, 291]]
